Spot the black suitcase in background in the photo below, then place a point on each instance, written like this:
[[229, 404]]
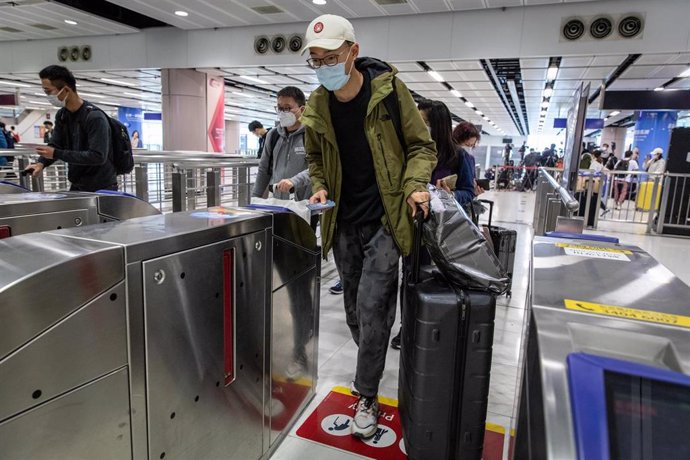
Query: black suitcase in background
[[504, 241], [445, 364]]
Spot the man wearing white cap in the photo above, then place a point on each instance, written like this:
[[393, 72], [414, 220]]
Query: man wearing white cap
[[368, 150], [656, 164]]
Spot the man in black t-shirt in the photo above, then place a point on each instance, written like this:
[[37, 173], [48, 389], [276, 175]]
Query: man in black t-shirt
[[375, 164], [256, 128]]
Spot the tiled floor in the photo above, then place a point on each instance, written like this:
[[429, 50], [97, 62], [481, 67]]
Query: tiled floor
[[337, 351]]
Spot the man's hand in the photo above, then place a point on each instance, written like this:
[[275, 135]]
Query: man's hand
[[284, 185], [46, 152], [421, 199], [319, 197], [37, 169]]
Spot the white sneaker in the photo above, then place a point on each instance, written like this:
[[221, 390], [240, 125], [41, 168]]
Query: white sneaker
[[353, 390], [365, 422]]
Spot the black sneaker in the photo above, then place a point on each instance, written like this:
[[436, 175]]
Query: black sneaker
[[395, 341], [337, 288]]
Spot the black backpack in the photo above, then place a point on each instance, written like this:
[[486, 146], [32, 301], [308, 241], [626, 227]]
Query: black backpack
[[622, 165], [123, 159]]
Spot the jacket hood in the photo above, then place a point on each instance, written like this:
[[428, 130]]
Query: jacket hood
[[374, 67], [284, 133]]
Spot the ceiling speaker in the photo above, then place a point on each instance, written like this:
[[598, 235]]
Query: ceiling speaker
[[86, 53], [295, 43], [63, 54], [74, 53], [278, 44], [601, 28], [262, 45], [573, 29], [630, 26]]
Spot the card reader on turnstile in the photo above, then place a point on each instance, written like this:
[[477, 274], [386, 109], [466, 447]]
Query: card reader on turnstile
[[606, 373]]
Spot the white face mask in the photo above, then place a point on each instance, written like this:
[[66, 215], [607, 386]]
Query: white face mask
[[287, 119], [55, 100]]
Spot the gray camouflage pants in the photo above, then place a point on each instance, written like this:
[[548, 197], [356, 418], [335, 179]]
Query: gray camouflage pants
[[367, 260]]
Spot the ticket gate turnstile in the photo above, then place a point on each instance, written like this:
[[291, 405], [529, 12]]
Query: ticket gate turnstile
[[606, 372], [166, 336], [30, 212], [11, 187]]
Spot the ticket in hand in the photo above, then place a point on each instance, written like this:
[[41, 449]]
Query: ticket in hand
[[321, 206]]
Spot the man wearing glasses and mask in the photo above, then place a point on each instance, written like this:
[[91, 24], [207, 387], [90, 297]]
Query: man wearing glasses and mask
[[283, 163], [375, 164], [81, 137]]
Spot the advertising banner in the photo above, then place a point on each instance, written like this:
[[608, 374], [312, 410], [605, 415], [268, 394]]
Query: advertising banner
[[653, 129], [215, 113], [132, 118]]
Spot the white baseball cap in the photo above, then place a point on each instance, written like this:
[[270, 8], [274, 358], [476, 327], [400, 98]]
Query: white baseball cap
[[329, 32]]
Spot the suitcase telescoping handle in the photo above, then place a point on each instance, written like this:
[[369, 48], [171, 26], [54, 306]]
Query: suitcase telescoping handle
[[416, 245], [491, 208]]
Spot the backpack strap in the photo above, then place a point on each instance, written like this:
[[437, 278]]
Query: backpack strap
[[393, 107]]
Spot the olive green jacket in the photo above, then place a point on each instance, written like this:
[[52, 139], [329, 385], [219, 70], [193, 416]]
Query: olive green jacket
[[398, 173]]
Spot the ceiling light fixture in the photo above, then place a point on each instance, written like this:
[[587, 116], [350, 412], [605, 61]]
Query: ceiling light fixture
[[469, 104], [479, 113], [548, 91], [182, 14], [552, 73], [545, 104], [14, 84], [660, 88], [614, 113], [435, 75], [117, 82], [455, 93], [254, 79], [319, 2], [97, 96], [71, 22]]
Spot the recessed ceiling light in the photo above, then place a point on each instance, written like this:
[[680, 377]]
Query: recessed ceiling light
[[469, 104], [455, 93], [97, 96], [38, 102], [319, 2], [435, 75], [660, 88], [552, 73], [254, 79], [117, 82], [70, 22], [181, 13], [14, 84], [548, 91], [545, 104], [614, 113], [479, 113]]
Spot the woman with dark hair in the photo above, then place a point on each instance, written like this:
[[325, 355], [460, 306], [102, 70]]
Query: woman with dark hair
[[451, 158], [466, 135]]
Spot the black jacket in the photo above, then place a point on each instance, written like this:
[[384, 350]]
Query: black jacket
[[83, 140]]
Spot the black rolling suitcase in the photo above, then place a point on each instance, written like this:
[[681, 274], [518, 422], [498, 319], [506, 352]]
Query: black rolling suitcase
[[445, 364], [504, 241]]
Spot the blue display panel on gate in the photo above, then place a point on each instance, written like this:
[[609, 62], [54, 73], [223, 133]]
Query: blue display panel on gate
[[625, 410]]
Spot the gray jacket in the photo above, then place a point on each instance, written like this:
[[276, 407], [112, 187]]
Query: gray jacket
[[286, 160]]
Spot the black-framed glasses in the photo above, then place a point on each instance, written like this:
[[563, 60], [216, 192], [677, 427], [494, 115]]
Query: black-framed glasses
[[285, 109], [328, 61]]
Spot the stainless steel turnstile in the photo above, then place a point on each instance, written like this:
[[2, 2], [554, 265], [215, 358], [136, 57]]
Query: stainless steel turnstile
[[624, 315], [168, 336], [10, 187], [30, 212]]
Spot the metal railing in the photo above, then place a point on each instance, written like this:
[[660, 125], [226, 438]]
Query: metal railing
[[169, 180], [552, 201]]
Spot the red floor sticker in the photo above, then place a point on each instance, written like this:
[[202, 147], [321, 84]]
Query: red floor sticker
[[330, 424]]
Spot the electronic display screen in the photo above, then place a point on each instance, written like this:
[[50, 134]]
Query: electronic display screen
[[647, 419]]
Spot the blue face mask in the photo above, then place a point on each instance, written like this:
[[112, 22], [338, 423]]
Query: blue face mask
[[333, 77]]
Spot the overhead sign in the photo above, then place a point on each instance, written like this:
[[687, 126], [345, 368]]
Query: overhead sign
[[590, 123]]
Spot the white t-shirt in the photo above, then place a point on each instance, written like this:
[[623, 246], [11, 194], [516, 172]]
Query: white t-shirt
[[632, 166], [596, 166]]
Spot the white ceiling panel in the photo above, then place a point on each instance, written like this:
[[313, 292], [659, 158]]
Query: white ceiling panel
[[576, 61], [636, 84], [598, 72], [534, 63], [534, 74], [574, 73], [407, 66], [464, 75], [608, 60]]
